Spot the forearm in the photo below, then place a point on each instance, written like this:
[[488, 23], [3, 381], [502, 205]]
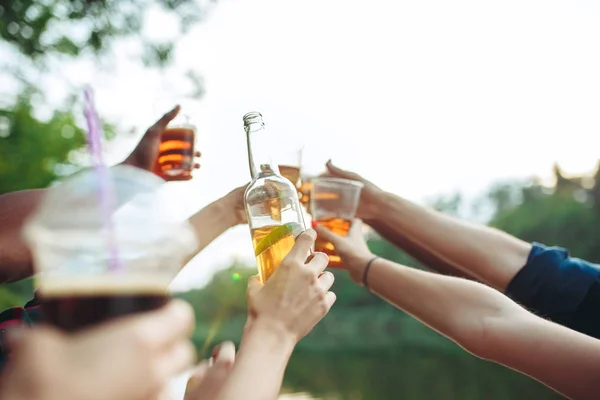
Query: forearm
[[422, 255], [15, 257], [456, 308], [565, 360], [260, 364], [212, 221], [484, 253]]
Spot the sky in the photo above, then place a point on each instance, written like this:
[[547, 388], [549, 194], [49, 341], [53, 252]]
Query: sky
[[421, 97]]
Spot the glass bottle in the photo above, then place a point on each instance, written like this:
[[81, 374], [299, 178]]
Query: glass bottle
[[271, 201]]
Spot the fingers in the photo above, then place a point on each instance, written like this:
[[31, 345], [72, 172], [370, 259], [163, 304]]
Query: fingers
[[330, 298], [197, 377], [213, 375], [325, 281], [319, 262], [224, 354], [160, 125], [302, 248], [176, 359], [254, 285], [356, 227], [338, 172], [327, 235], [161, 328]]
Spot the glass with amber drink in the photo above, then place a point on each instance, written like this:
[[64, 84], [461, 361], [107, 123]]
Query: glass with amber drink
[[175, 159], [333, 204], [289, 162]]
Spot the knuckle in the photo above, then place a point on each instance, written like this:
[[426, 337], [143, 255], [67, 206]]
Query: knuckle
[[321, 295], [308, 236]]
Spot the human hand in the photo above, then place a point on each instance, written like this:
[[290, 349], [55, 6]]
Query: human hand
[[234, 203], [352, 249], [370, 195], [209, 376], [296, 297], [146, 152], [129, 358]]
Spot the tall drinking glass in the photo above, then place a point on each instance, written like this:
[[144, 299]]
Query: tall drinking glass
[[333, 204], [289, 161]]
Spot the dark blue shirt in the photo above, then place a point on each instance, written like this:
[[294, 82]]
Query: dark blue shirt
[[560, 288]]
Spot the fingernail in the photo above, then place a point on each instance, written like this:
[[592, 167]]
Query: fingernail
[[314, 224]]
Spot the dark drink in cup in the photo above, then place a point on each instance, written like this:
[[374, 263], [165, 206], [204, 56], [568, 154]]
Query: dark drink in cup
[[89, 274], [74, 304]]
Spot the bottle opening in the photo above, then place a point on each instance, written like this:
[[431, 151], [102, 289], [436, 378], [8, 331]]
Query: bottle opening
[[253, 117]]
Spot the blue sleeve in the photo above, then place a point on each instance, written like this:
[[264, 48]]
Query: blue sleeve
[[558, 287]]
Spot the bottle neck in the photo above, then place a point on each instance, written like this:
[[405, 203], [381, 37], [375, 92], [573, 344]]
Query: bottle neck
[[260, 142]]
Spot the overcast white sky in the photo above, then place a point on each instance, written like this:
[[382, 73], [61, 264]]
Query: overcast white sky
[[422, 97]]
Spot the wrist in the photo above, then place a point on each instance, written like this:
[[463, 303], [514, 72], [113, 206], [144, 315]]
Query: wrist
[[271, 332], [226, 210], [357, 267], [379, 209]]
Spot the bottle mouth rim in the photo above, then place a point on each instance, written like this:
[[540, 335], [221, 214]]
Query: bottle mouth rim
[[250, 115]]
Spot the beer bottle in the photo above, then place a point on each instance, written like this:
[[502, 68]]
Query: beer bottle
[[271, 201]]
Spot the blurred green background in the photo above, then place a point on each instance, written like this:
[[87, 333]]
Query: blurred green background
[[364, 349]]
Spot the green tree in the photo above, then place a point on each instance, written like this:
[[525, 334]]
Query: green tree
[[33, 152], [38, 29]]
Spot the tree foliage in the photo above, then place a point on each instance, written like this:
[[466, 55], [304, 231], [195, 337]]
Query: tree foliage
[[33, 151], [38, 28]]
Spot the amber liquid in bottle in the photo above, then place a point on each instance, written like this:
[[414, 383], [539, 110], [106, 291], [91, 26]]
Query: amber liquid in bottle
[[271, 201]]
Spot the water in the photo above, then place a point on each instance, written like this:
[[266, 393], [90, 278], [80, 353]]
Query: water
[[408, 373]]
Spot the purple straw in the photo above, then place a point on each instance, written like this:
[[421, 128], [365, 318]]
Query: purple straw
[[106, 193]]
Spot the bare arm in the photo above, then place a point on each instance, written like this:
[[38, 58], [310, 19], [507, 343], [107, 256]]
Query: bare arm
[[280, 313], [214, 219], [485, 253], [480, 319], [260, 364], [480, 252], [424, 256], [15, 258]]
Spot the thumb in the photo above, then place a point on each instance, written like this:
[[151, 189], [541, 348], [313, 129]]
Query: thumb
[[327, 235], [197, 377], [254, 285], [356, 227], [341, 173], [160, 125]]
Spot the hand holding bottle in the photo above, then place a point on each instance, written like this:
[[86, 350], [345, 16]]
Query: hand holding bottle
[[297, 295]]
